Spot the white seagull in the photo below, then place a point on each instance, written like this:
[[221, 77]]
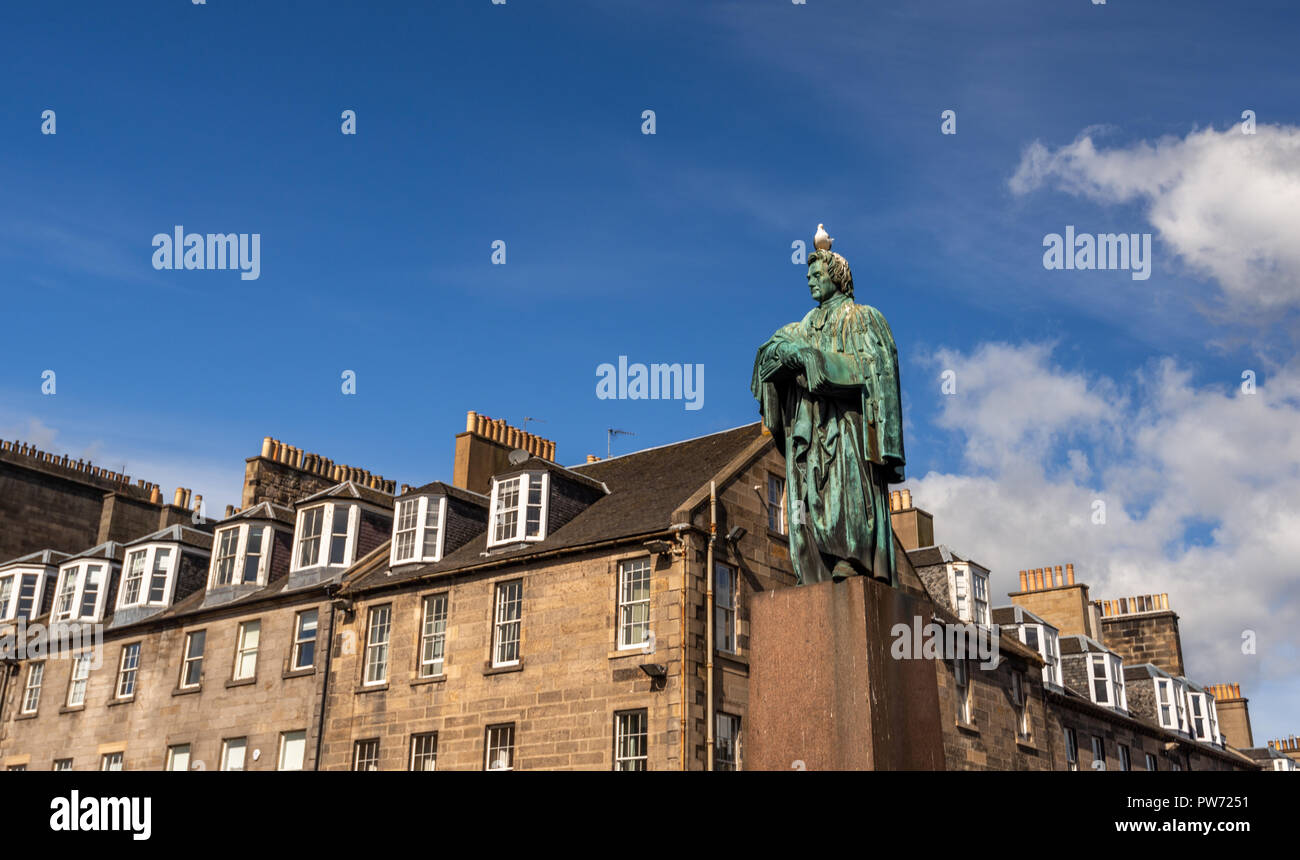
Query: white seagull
[[822, 240]]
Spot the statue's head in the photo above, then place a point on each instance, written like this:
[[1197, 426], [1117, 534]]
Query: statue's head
[[828, 274]]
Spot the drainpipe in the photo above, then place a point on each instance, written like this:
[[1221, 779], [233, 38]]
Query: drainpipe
[[708, 627], [330, 591], [685, 652]]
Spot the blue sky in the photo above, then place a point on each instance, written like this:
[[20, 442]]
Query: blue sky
[[479, 122]]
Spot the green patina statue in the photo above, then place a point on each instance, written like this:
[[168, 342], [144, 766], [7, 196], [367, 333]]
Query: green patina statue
[[828, 390]]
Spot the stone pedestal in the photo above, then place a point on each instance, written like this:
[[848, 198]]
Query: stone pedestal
[[824, 689]]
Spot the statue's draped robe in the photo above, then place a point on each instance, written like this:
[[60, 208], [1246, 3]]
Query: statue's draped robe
[[839, 425]]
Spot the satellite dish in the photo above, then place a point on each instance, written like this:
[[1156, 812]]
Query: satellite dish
[[518, 456]]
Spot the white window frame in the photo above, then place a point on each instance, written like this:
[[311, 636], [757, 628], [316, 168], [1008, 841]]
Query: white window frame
[[112, 761], [1167, 695], [1071, 748], [500, 737], [150, 553], [433, 633], [9, 606], [420, 529], [241, 549], [298, 735], [503, 624], [626, 611], [726, 622], [726, 738], [31, 701], [1125, 757], [376, 654], [326, 539], [186, 659], [367, 745], [295, 658], [1108, 664], [79, 573], [962, 689], [1098, 751], [419, 756], [968, 585], [65, 592], [128, 569], [525, 481], [1021, 698], [228, 745], [178, 754], [632, 740], [776, 507], [125, 672], [79, 680], [246, 653]]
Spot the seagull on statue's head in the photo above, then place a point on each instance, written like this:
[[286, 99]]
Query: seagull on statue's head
[[822, 240]]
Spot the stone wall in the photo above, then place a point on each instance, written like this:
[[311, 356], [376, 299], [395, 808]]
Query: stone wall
[[1148, 637]]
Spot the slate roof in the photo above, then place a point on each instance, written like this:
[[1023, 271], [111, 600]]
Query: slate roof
[[438, 488], [178, 533], [1016, 614], [350, 490], [40, 558], [645, 488]]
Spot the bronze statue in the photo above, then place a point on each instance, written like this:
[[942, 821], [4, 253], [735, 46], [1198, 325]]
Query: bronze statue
[[828, 390]]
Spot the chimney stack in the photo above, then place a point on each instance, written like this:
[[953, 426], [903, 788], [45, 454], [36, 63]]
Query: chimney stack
[[484, 448]]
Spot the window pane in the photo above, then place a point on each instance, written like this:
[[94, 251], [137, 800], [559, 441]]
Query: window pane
[[158, 581]]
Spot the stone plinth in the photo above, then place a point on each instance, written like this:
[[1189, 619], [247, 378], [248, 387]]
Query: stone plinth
[[824, 689]]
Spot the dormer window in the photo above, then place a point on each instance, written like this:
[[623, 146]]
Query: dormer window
[[1171, 704], [1046, 641], [79, 591], [970, 592], [325, 536], [417, 531], [1204, 726], [19, 595], [145, 576], [1106, 672], [240, 554], [518, 509]]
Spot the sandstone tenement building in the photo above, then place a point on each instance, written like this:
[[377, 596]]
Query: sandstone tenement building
[[526, 615]]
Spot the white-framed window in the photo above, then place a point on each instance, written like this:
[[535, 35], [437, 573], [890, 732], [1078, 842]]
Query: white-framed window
[[507, 622], [1021, 701], [1199, 717], [724, 608], [726, 742], [961, 685], [631, 748], [1098, 753], [178, 757], [776, 503], [433, 635], [110, 761], [1125, 762], [6, 595], [1046, 641], [1106, 674], [66, 594], [365, 754], [29, 596], [633, 602], [293, 750], [1151, 762], [304, 640], [241, 555], [63, 764], [127, 669], [424, 751], [518, 508], [326, 535], [1171, 704], [417, 529], [232, 753], [970, 593], [32, 690], [133, 577], [250, 633], [1071, 749], [377, 630], [145, 576], [192, 662], [499, 747], [79, 679]]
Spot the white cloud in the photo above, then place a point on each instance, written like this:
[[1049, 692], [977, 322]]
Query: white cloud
[[1227, 203], [1202, 492]]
